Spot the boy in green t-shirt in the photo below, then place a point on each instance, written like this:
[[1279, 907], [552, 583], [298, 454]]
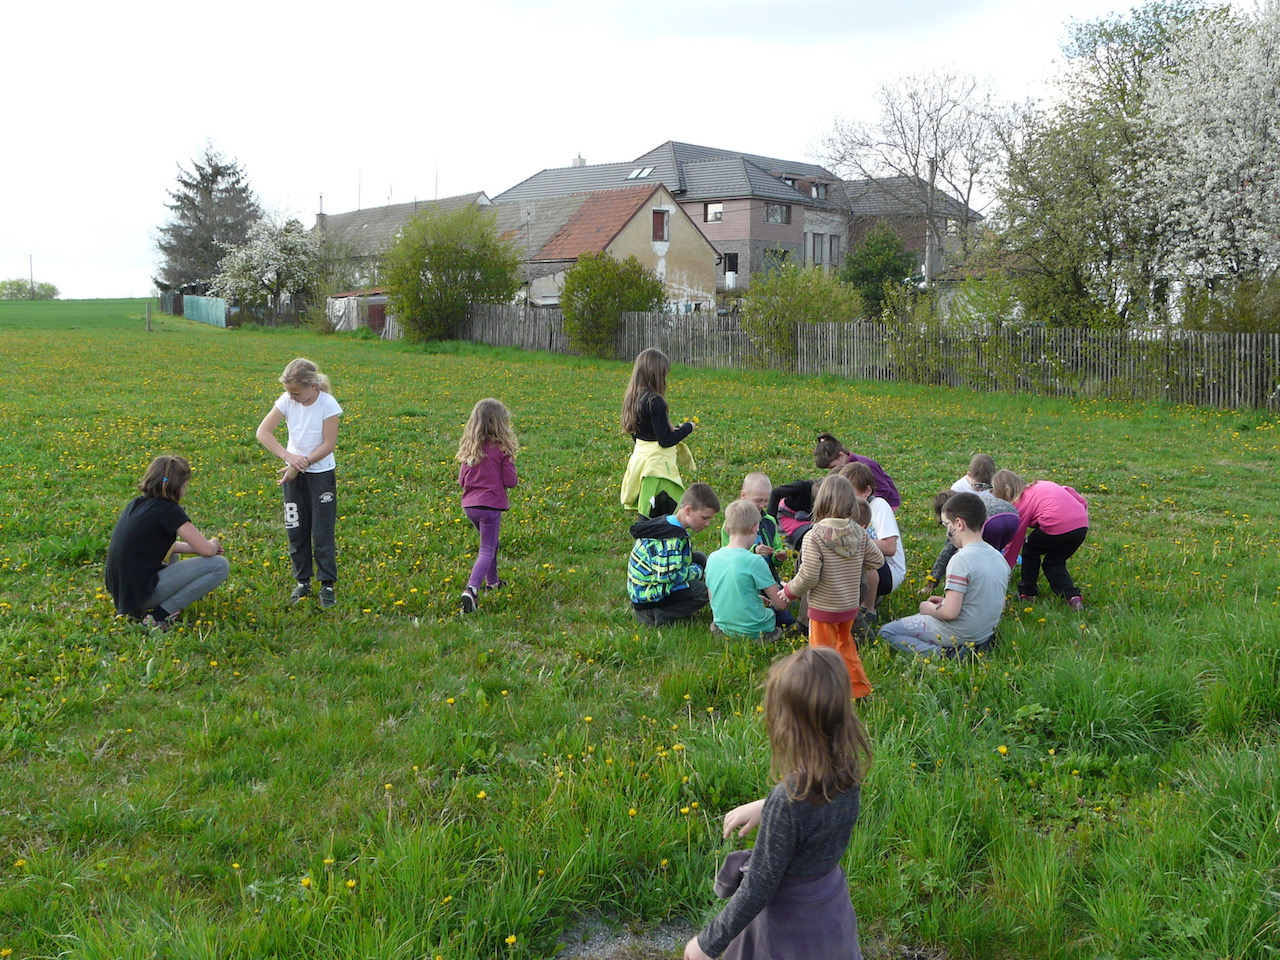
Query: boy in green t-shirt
[[769, 542], [744, 593]]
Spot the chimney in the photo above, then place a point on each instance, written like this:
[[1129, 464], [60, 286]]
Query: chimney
[[578, 162]]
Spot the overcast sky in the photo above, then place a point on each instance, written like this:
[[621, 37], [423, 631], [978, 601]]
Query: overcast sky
[[376, 102]]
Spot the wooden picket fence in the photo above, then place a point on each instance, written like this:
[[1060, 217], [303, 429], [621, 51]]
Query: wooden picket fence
[[1226, 370]]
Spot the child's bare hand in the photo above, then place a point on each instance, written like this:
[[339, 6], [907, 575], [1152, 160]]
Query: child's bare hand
[[764, 550], [744, 818], [287, 473]]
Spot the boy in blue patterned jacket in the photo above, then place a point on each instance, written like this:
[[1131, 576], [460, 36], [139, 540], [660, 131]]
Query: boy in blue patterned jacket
[[664, 576]]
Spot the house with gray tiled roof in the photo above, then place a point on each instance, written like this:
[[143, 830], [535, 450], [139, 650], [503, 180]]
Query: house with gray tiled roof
[[905, 204], [640, 220], [759, 210], [755, 210], [365, 235]]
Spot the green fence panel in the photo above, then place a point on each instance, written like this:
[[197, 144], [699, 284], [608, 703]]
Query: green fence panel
[[211, 310]]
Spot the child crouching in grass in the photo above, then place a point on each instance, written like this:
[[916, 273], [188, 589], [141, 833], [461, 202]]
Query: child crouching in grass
[[664, 576], [737, 578], [963, 620]]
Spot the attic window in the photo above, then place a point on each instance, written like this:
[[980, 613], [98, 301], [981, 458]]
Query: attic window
[[661, 225], [818, 191], [639, 173]]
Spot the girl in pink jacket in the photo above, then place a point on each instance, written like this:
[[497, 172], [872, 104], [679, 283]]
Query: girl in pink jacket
[[1052, 523], [487, 471]]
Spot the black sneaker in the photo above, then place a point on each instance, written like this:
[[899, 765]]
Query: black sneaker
[[327, 596], [469, 601], [500, 585], [301, 591]]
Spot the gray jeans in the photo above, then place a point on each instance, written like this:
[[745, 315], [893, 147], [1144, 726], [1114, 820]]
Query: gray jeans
[[183, 582]]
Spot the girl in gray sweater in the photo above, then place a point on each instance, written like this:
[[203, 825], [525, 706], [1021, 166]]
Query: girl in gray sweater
[[789, 899]]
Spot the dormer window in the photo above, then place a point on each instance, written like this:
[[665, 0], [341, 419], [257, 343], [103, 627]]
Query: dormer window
[[639, 173], [818, 191], [790, 181]]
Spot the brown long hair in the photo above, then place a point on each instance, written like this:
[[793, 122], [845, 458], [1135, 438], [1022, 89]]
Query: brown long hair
[[1007, 485], [165, 478], [819, 746], [834, 498], [648, 375]]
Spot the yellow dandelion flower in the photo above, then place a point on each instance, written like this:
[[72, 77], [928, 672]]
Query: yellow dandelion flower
[[351, 884], [511, 940], [306, 882], [631, 812], [481, 795], [1002, 749]]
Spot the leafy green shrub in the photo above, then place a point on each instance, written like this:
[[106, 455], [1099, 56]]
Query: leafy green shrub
[[778, 302], [598, 290], [880, 260], [444, 262]]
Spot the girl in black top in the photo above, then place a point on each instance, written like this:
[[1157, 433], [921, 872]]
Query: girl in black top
[[654, 471], [152, 531]]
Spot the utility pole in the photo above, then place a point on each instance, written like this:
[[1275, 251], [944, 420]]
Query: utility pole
[[929, 238]]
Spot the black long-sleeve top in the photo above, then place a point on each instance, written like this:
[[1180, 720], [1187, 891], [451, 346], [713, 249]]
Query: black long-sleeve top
[[655, 422], [798, 494]]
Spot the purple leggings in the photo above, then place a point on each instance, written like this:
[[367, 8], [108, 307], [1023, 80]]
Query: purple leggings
[[489, 522]]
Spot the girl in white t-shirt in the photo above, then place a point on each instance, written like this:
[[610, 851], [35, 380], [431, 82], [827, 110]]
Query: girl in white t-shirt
[[883, 529], [307, 478]]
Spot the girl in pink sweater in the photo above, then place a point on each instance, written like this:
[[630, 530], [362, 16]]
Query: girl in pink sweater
[[487, 470], [1052, 524]]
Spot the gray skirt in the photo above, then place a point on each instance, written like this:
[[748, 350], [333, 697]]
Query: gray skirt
[[810, 918]]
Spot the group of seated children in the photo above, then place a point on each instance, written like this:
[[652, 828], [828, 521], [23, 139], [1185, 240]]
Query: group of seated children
[[850, 555]]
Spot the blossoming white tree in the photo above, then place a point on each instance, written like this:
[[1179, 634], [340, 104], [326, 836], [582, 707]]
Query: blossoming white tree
[[1213, 113], [277, 259]]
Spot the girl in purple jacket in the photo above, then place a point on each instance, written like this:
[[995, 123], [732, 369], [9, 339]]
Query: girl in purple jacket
[[487, 455]]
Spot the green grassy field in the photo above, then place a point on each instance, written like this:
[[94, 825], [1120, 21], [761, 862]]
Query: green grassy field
[[391, 780]]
